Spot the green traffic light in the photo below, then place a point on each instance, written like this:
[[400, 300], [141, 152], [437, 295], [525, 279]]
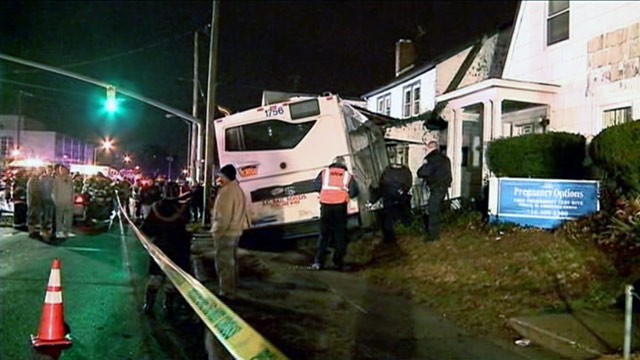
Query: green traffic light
[[111, 105]]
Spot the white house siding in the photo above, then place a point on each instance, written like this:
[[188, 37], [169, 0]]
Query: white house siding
[[597, 67]]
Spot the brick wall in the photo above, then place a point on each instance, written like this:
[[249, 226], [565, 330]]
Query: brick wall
[[614, 56]]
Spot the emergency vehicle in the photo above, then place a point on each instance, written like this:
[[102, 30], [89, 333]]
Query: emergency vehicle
[[89, 170], [279, 150]]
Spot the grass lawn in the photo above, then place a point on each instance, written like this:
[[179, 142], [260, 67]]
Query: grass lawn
[[480, 276]]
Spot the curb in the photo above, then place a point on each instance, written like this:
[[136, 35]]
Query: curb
[[553, 342]]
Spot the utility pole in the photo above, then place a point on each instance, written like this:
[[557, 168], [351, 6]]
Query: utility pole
[[211, 108], [195, 151]]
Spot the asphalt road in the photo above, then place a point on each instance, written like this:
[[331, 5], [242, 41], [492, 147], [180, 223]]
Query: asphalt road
[[102, 278], [305, 314]]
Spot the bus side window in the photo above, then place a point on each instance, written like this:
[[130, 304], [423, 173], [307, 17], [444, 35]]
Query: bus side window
[[233, 139], [266, 135]]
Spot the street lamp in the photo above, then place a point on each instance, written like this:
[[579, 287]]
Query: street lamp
[[127, 159], [106, 145]]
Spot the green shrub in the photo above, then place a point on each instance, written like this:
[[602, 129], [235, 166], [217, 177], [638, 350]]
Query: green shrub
[[616, 152], [554, 155]]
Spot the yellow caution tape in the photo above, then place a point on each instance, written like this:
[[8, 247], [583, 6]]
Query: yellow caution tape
[[238, 337]]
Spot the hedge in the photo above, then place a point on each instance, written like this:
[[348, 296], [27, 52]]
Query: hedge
[[553, 155], [616, 152]]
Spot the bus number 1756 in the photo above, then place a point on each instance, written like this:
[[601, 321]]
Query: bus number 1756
[[274, 111]]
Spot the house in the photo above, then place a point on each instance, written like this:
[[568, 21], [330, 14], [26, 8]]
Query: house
[[22, 137], [570, 66], [410, 94], [411, 98]]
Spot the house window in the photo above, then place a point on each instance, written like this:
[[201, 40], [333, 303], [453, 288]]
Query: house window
[[411, 100], [416, 100], [557, 21], [6, 145], [617, 116], [384, 105]]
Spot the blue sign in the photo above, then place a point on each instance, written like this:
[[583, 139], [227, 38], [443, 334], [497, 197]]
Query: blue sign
[[544, 203]]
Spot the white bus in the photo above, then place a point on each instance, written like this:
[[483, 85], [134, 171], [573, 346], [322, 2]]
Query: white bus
[[279, 149]]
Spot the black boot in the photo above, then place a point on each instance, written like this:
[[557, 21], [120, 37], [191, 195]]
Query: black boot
[[149, 300]]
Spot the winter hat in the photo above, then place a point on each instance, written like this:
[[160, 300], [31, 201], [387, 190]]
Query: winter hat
[[228, 171]]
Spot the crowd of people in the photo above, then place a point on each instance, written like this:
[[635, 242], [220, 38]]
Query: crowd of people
[[44, 198]]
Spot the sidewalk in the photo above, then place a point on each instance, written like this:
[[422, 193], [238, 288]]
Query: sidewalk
[[580, 335]]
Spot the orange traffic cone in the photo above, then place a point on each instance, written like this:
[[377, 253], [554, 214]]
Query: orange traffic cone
[[53, 331]]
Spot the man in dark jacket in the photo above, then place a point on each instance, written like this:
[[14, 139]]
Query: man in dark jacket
[[149, 193], [336, 186], [166, 226], [197, 201], [436, 174], [19, 198], [395, 189]]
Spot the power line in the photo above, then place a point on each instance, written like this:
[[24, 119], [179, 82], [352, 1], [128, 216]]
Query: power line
[[111, 57], [34, 86]]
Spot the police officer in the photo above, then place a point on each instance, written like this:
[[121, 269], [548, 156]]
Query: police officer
[[394, 187], [436, 174], [336, 186]]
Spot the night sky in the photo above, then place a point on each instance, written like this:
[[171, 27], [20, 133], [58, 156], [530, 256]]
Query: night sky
[[147, 47]]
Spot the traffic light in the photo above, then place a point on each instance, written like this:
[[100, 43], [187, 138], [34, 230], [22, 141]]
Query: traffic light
[[111, 104]]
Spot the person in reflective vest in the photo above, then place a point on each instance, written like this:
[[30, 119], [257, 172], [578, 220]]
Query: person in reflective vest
[[336, 186]]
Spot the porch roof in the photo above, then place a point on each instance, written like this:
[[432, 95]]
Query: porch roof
[[497, 83]]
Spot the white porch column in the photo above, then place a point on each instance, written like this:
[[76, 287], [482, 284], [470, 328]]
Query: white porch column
[[487, 132], [496, 118], [451, 147], [454, 151]]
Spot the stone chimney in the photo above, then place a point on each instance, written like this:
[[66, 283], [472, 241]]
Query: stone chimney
[[405, 55]]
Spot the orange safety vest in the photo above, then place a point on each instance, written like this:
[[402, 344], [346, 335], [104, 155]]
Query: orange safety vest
[[335, 186]]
